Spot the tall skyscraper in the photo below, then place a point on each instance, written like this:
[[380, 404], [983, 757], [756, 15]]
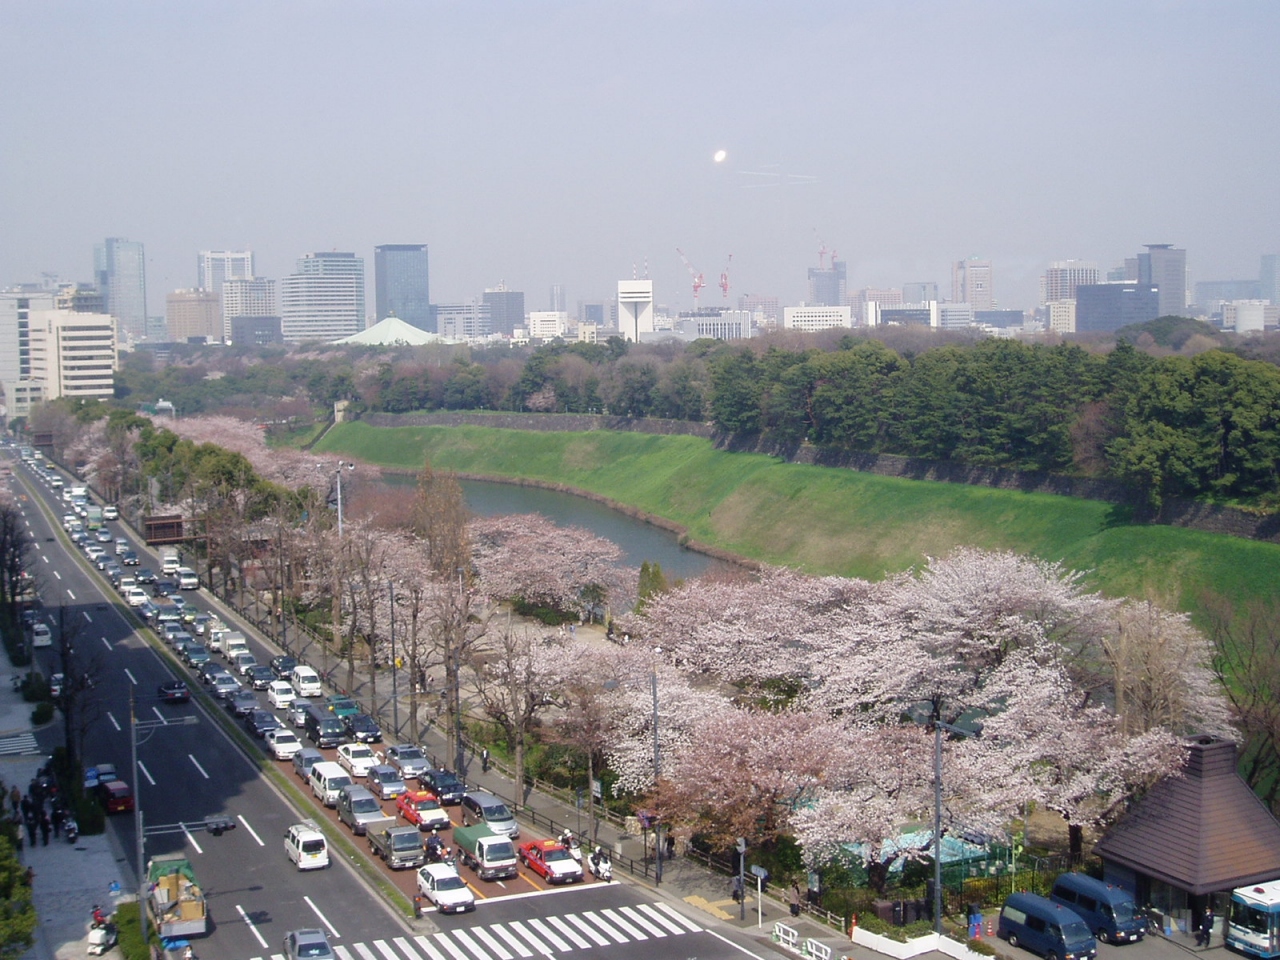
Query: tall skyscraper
[[1165, 266], [1063, 276], [1269, 277], [555, 302], [120, 271], [635, 308], [401, 285], [506, 310], [971, 283], [827, 285], [214, 267], [920, 292], [324, 298]]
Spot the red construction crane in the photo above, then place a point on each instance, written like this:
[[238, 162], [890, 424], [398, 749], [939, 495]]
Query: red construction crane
[[724, 276], [698, 281]]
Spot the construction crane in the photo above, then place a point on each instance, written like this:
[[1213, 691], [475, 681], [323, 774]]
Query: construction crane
[[724, 276], [698, 280]]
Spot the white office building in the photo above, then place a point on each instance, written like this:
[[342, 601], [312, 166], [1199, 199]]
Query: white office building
[[216, 267], [811, 319], [15, 349], [548, 324], [635, 308], [324, 298], [955, 316], [1244, 316], [1060, 316], [73, 354], [252, 297], [463, 321]]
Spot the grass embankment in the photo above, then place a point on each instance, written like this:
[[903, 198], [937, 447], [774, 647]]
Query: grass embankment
[[829, 521]]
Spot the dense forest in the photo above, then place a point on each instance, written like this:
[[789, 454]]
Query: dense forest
[[1170, 407]]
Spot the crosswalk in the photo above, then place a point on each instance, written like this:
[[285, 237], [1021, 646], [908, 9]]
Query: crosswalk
[[22, 743], [532, 937]]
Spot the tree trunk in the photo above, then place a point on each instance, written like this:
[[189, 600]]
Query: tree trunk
[[519, 754], [1075, 836]]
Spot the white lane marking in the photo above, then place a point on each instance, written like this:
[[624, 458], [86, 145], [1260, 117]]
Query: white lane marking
[[384, 948], [146, 773], [198, 767], [407, 950], [86, 615], [678, 917], [105, 643], [160, 715], [277, 956], [734, 945], [608, 928], [529, 935], [455, 952], [250, 829], [512, 942], [113, 721], [57, 574], [323, 918], [365, 952], [191, 839], [648, 910], [642, 922], [249, 923], [70, 594], [44, 558], [342, 952], [430, 950], [587, 929], [558, 924], [502, 952], [131, 677], [549, 934]]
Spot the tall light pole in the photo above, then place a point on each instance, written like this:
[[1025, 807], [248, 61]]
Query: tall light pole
[[938, 727], [455, 680], [395, 695]]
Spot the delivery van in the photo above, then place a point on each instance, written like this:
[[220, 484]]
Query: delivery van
[[1044, 927]]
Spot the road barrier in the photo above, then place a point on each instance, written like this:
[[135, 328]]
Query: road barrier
[[815, 949], [786, 936]]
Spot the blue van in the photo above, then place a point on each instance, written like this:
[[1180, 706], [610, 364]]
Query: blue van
[[1046, 928], [1108, 910]]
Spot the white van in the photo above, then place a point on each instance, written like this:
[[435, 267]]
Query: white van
[[187, 579], [327, 780], [305, 845], [306, 682]]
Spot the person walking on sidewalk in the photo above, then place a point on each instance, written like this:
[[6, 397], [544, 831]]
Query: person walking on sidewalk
[[484, 760], [45, 827]]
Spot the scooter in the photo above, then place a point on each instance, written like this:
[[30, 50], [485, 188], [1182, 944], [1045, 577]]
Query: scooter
[[600, 865], [71, 828], [570, 842], [102, 939]]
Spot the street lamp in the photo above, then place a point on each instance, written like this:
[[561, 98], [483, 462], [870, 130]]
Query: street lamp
[[338, 482], [938, 727], [395, 694]]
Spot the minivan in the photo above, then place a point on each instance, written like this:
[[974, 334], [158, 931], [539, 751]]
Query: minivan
[[1108, 910], [481, 807], [357, 808], [306, 682], [188, 579], [304, 760], [327, 780], [1044, 927], [324, 729]]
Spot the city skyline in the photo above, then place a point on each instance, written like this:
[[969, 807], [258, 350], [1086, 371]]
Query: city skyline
[[567, 166]]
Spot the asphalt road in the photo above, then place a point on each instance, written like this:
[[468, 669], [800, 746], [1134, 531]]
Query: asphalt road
[[190, 772]]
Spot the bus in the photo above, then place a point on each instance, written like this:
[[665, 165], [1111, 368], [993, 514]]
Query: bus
[[1254, 924]]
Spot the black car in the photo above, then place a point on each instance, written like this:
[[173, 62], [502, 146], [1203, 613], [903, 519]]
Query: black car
[[444, 784], [242, 703], [164, 588], [261, 722], [145, 575], [259, 677], [211, 670], [129, 558], [362, 728], [283, 665], [174, 691]]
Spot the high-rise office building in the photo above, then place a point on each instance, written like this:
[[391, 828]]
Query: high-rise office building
[[215, 267], [920, 292], [401, 287], [73, 354], [324, 298], [1269, 278], [16, 310], [555, 302], [193, 315], [255, 297], [120, 271], [1165, 266], [80, 297], [827, 284], [635, 308], [1115, 304], [971, 283], [506, 310], [463, 321], [1063, 276]]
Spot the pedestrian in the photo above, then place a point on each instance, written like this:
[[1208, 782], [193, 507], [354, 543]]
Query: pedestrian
[[1204, 937], [671, 846], [795, 899], [735, 888], [27, 809], [15, 798], [45, 827], [32, 823], [58, 815], [484, 760], [29, 877]]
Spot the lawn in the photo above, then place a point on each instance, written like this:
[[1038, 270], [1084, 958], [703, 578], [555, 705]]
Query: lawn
[[830, 521]]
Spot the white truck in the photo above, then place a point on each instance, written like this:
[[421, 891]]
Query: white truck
[[169, 561]]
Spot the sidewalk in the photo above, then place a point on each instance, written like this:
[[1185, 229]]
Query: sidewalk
[[69, 878]]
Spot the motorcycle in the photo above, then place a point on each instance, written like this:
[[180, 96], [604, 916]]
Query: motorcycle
[[71, 829], [102, 938], [600, 865], [436, 851], [570, 842]]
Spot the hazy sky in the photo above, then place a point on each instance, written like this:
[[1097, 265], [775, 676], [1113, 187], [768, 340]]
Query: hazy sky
[[564, 142]]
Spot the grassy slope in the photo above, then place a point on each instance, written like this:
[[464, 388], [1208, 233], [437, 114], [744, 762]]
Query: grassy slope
[[835, 521]]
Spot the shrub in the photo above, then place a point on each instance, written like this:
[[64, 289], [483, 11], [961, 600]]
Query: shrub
[[129, 930], [90, 817], [35, 687], [978, 945], [43, 713]]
